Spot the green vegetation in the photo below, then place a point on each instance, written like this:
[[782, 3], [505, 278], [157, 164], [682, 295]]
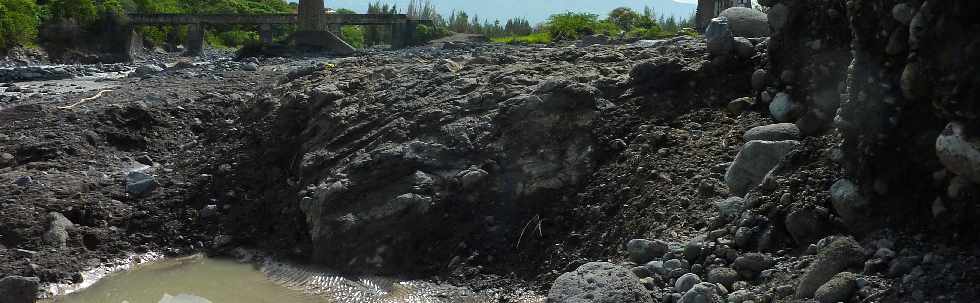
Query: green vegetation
[[18, 22], [536, 38], [353, 35], [621, 22]]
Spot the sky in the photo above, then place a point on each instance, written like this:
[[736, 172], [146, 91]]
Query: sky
[[535, 11]]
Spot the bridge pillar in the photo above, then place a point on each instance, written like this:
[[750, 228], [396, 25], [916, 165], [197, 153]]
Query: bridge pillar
[[398, 35], [133, 43], [265, 33], [195, 39], [312, 32], [403, 34]]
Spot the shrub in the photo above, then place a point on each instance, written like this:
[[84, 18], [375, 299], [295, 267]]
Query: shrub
[[18, 23], [353, 35], [649, 33], [536, 38], [83, 11], [571, 26]]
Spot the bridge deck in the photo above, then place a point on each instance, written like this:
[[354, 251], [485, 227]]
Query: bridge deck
[[345, 19]]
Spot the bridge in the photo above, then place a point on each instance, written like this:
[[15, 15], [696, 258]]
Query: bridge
[[314, 27]]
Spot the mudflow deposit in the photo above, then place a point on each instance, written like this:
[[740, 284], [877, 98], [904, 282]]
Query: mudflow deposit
[[831, 155]]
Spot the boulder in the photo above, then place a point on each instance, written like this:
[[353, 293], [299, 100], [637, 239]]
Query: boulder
[[747, 22], [842, 253], [959, 151], [750, 265], [146, 70], [754, 162], [782, 107], [840, 288], [7, 160], [744, 47], [686, 282], [730, 208], [719, 37], [773, 132], [702, 293], [57, 233], [17, 289], [741, 296], [850, 205], [807, 225], [140, 184], [598, 282], [469, 178], [642, 251], [741, 104], [250, 67], [903, 13], [723, 275]]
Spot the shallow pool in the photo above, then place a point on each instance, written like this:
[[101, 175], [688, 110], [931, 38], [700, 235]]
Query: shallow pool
[[189, 280]]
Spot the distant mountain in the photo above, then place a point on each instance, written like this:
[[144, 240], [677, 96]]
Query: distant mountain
[[534, 10]]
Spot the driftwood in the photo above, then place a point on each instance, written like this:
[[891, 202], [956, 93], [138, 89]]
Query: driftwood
[[80, 102]]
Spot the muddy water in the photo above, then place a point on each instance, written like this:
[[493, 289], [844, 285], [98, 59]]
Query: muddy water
[[189, 280]]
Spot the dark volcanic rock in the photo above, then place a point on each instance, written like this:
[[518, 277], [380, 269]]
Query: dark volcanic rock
[[16, 289]]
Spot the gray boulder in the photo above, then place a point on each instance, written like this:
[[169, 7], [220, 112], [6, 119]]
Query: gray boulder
[[642, 250], [741, 296], [730, 208], [773, 132], [723, 275], [741, 104], [959, 153], [58, 228], [146, 70], [139, 183], [250, 67], [702, 293], [719, 37], [750, 265], [782, 107], [840, 288], [744, 47], [807, 225], [903, 13], [747, 22], [17, 289], [598, 282], [842, 253], [686, 282], [849, 204], [754, 161]]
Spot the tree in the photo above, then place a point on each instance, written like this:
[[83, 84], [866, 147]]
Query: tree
[[83, 11], [18, 23], [623, 17]]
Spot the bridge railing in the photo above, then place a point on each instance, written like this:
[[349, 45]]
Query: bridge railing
[[328, 19]]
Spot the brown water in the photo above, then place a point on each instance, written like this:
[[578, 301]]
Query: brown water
[[190, 280]]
